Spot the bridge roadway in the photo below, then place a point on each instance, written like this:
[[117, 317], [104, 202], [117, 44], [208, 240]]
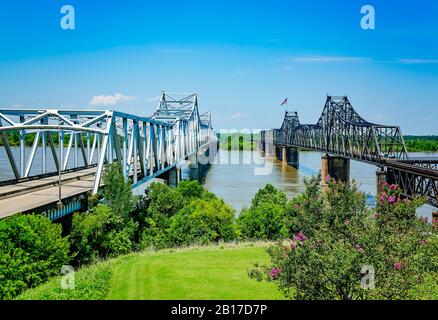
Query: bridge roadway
[[27, 195]]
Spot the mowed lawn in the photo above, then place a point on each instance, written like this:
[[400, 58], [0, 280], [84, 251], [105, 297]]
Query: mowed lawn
[[204, 273]]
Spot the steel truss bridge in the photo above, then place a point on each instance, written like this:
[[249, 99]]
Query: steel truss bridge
[[145, 147], [342, 132]]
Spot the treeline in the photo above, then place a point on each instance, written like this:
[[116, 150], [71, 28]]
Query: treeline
[[421, 143], [239, 141]]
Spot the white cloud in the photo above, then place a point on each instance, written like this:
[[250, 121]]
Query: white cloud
[[157, 98], [329, 59], [111, 100], [418, 61]]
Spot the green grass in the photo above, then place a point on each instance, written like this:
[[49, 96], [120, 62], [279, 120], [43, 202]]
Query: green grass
[[193, 273], [91, 283], [211, 273]]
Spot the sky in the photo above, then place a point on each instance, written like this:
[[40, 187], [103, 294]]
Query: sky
[[242, 58]]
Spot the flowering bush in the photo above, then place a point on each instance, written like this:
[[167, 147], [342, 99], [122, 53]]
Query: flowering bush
[[340, 249]]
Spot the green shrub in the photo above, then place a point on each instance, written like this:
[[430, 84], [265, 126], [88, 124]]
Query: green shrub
[[269, 194], [202, 222], [31, 250], [340, 236], [164, 201], [90, 283], [264, 222], [265, 219], [190, 189], [99, 234], [117, 191]]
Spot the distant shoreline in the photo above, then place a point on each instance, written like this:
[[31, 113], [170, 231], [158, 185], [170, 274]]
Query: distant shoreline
[[243, 141]]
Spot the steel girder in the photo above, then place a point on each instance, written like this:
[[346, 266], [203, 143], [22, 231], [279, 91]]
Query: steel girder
[[414, 181], [144, 146], [341, 130]]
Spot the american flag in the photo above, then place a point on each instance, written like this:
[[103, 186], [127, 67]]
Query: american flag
[[284, 102]]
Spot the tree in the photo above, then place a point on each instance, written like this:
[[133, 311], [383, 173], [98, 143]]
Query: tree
[[264, 222], [117, 191], [99, 233], [269, 194], [190, 189], [31, 250], [202, 222], [341, 239], [265, 219]]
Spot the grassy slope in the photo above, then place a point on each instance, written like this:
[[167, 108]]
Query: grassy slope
[[192, 274], [196, 273]]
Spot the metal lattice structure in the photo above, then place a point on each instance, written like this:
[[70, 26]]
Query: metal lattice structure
[[145, 147], [342, 131]]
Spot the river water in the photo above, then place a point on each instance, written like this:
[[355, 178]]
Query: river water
[[238, 175]]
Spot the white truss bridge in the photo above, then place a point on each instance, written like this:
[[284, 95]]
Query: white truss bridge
[[146, 147]]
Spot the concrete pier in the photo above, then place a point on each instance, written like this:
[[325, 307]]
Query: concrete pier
[[174, 177], [380, 180], [291, 156], [278, 151], [337, 168], [194, 167]]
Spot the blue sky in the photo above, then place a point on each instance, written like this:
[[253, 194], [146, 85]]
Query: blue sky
[[241, 57]]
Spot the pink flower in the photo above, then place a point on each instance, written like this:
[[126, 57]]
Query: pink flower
[[274, 273], [393, 187], [347, 222], [328, 178], [392, 199], [382, 197], [359, 248], [293, 244], [398, 266], [424, 242], [300, 237]]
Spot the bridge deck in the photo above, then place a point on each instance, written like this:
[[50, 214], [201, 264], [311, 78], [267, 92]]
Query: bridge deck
[[25, 196]]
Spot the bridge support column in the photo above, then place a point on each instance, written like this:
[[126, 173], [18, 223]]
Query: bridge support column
[[194, 167], [278, 151], [174, 177], [380, 180], [435, 218], [284, 154], [337, 168], [291, 156]]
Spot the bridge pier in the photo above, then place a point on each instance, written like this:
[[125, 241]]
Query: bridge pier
[[291, 156], [337, 168], [174, 177], [194, 167], [380, 180], [435, 218], [277, 151]]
